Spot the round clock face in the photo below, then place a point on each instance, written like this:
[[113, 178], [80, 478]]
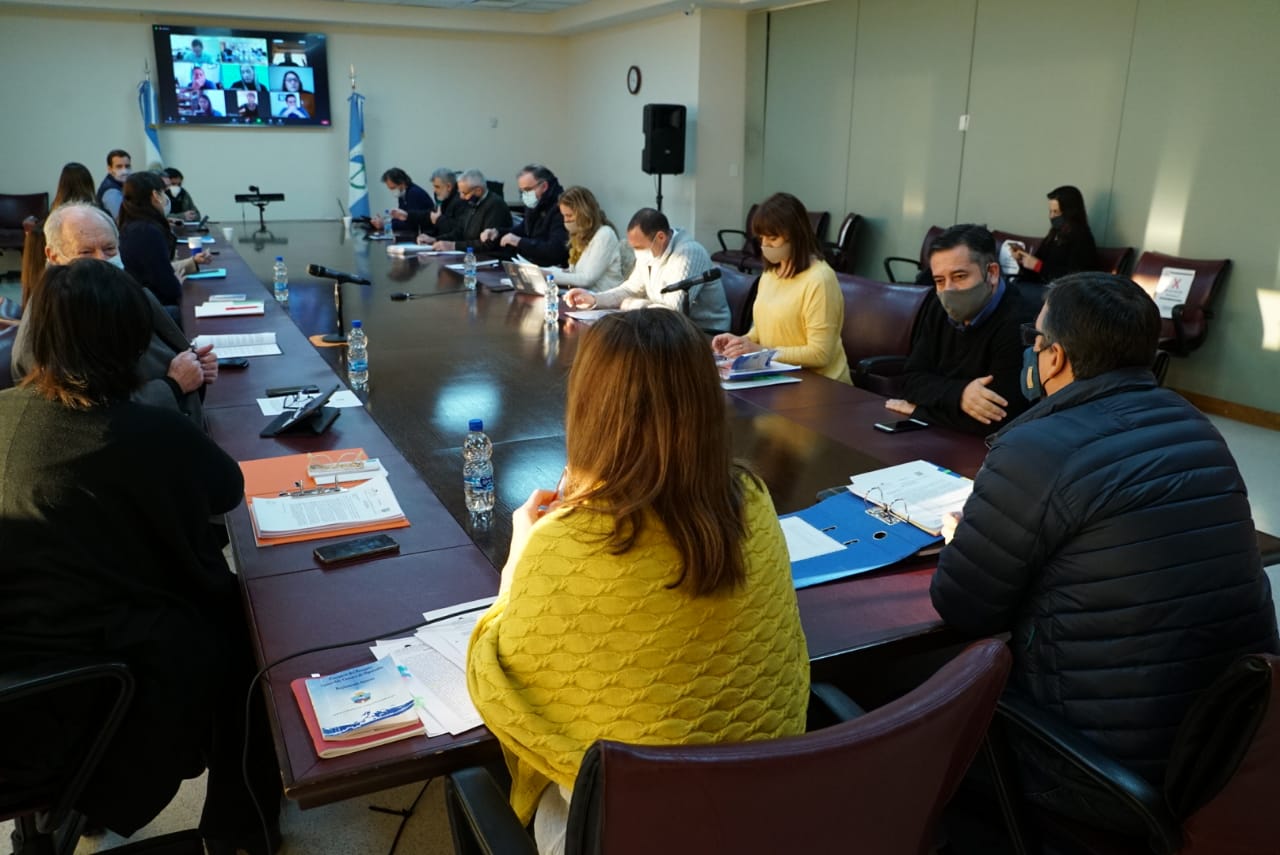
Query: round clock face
[[633, 79]]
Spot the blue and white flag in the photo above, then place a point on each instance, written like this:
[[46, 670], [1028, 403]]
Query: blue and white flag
[[147, 108], [357, 179]]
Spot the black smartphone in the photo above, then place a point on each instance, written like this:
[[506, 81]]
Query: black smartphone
[[360, 547], [903, 426], [285, 391], [233, 362]]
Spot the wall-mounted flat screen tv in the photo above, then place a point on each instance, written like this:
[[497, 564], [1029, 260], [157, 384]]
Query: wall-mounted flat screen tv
[[240, 78]]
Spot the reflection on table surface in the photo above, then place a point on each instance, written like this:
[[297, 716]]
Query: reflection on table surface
[[450, 355]]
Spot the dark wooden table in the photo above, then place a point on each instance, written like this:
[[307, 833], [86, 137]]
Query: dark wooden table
[[435, 362]]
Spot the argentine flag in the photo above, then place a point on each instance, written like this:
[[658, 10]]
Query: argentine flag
[[357, 179], [147, 108]]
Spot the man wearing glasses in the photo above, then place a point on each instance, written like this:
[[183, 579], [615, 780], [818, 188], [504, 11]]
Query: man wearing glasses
[[965, 354], [481, 211], [1110, 533]]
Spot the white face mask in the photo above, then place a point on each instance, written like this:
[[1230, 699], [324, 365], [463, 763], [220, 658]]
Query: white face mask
[[776, 254], [644, 257], [116, 260], [121, 174], [571, 227], [173, 191], [167, 206], [529, 198]]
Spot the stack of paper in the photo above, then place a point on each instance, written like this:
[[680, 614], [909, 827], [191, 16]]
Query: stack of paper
[[918, 492], [250, 344], [372, 502], [408, 249], [757, 368], [230, 308], [436, 661]]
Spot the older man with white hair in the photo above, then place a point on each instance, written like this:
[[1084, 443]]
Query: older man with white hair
[[170, 372], [481, 210]]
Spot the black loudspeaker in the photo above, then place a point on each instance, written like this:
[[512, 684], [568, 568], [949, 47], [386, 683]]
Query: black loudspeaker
[[663, 139]]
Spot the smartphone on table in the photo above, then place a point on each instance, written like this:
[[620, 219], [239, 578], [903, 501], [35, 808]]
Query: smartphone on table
[[904, 426], [360, 547]]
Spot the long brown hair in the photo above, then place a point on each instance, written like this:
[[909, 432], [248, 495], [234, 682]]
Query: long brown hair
[[645, 432], [75, 184], [587, 215], [89, 324], [783, 215]]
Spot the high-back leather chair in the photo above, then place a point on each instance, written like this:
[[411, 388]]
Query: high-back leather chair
[[841, 254], [1031, 242], [740, 293], [1115, 260], [820, 221], [1186, 329], [879, 319], [918, 264], [45, 819], [1219, 789], [748, 251], [14, 208], [877, 783]]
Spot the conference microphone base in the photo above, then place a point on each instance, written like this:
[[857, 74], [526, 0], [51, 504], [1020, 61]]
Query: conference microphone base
[[333, 338]]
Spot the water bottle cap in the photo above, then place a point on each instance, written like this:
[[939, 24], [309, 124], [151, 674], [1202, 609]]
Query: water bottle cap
[[355, 325], [469, 249], [476, 425], [279, 258]]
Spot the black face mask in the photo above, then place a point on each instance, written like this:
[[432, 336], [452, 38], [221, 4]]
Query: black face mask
[[1058, 221]]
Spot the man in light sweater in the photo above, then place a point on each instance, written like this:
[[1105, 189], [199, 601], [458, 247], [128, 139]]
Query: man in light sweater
[[664, 256]]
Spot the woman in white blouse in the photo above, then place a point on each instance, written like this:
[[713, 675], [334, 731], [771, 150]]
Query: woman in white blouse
[[597, 259]]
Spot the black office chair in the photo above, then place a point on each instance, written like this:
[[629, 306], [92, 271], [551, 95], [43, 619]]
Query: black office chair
[[45, 819]]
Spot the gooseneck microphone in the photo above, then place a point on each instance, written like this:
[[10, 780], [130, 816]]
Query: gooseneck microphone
[[336, 275], [693, 281]]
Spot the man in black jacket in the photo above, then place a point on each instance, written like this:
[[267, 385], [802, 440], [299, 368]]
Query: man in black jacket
[[480, 211], [1110, 533], [541, 236], [963, 368]]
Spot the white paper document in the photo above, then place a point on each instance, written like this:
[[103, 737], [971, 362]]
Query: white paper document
[[370, 502], [805, 541], [479, 264], [275, 406], [1172, 289], [919, 492], [589, 316], [763, 380], [249, 344], [228, 308]]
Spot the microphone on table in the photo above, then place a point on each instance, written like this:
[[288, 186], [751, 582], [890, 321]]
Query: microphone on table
[[405, 295], [336, 275], [693, 281]]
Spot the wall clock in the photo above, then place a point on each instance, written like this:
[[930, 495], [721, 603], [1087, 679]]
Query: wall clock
[[633, 80]]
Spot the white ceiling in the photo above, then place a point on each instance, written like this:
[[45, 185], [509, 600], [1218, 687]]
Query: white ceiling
[[535, 6]]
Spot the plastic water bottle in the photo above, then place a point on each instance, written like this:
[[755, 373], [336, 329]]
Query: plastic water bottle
[[469, 269], [477, 470], [552, 316], [280, 278], [386, 225], [358, 357]]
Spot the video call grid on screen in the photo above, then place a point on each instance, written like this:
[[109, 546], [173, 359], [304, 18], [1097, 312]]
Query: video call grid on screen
[[240, 78]]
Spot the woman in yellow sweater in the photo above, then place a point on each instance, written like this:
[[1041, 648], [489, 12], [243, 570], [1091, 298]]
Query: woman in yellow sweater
[[799, 309], [653, 603]]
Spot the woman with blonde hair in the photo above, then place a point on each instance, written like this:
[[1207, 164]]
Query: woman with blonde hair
[[598, 260], [652, 603], [799, 309]]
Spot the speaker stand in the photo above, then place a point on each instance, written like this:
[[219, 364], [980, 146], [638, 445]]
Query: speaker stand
[[659, 192]]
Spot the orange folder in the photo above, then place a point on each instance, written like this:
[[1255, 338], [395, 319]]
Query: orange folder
[[271, 476]]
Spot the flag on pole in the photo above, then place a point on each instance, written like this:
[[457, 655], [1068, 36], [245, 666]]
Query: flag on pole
[[357, 179], [147, 108]]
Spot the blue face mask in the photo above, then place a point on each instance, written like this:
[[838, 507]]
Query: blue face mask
[[1032, 389]]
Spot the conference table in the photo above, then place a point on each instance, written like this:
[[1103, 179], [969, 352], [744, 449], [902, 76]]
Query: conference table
[[435, 361]]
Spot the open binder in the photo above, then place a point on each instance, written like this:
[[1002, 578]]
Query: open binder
[[844, 536]]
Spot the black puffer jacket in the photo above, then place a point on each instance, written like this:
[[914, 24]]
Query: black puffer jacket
[[543, 238], [1110, 532]]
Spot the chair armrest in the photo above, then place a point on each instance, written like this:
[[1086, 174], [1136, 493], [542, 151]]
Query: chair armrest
[[888, 269], [882, 366], [831, 704], [481, 817], [1016, 712], [720, 237]]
